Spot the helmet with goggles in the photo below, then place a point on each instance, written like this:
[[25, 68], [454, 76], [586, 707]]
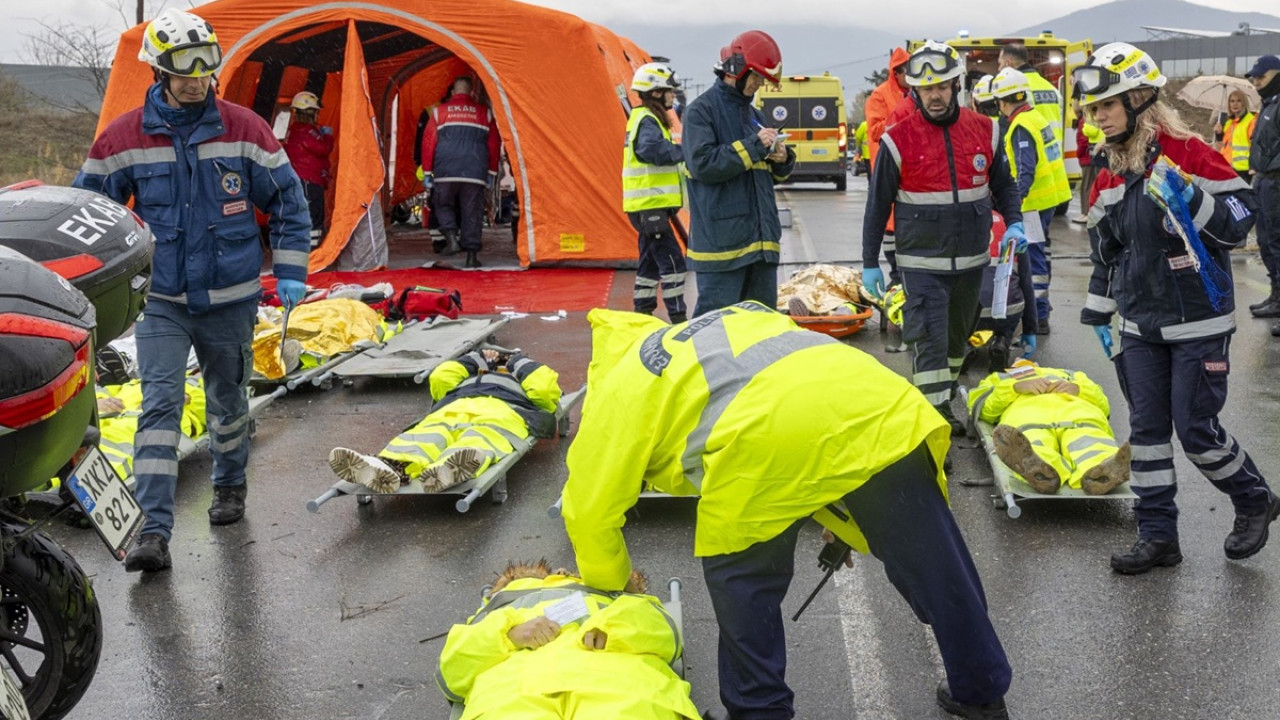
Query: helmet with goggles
[[654, 76], [180, 43], [933, 63], [1115, 69]]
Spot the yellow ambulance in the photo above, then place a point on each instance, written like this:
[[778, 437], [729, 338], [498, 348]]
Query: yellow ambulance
[[810, 110]]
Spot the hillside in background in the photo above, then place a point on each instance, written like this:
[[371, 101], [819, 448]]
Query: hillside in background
[[1123, 20]]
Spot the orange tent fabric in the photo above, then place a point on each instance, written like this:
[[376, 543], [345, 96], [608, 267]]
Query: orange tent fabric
[[557, 85]]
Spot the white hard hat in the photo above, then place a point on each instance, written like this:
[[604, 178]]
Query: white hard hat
[[305, 101], [933, 63], [1009, 82], [654, 76], [180, 43], [1114, 69], [982, 89]]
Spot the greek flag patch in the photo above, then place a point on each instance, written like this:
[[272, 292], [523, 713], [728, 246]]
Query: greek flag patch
[[1238, 210]]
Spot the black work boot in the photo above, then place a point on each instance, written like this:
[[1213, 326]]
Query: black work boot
[[988, 711], [451, 242], [677, 318], [150, 553], [999, 353], [957, 427], [1042, 326], [1146, 554], [473, 259], [1271, 299], [1275, 330], [228, 504], [1249, 535]]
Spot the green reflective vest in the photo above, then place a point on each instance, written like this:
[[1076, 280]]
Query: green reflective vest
[[645, 186], [1050, 187]]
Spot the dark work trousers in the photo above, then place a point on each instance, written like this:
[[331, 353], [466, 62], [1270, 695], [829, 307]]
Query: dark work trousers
[[1042, 267], [460, 206], [661, 263], [1266, 189], [938, 317], [757, 281], [910, 529], [889, 246], [1181, 386], [315, 205]]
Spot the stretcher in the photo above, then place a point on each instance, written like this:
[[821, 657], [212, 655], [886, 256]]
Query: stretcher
[[837, 326], [554, 510], [1010, 487], [675, 609], [417, 350], [494, 478]]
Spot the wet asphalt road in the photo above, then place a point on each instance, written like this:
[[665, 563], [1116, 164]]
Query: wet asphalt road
[[293, 615]]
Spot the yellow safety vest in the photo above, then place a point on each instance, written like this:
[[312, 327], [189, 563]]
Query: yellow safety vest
[[1239, 132], [645, 186], [1050, 187], [1046, 101]]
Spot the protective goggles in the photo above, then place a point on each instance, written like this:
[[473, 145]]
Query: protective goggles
[[931, 62], [191, 60], [1093, 80]]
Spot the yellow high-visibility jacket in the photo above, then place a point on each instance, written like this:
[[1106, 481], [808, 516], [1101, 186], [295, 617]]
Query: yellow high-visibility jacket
[[995, 400], [118, 431], [768, 422], [482, 667]]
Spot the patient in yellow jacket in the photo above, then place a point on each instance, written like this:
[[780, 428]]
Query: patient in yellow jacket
[[544, 646]]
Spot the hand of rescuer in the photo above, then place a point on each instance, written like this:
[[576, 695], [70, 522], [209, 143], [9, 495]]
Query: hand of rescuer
[[1104, 337], [533, 634], [829, 537], [290, 292], [1028, 342], [1160, 190], [873, 281], [1014, 233]]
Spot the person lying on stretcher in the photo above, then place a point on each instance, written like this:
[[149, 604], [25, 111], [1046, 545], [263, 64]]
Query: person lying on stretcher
[[543, 645], [1052, 428], [483, 401], [119, 407]]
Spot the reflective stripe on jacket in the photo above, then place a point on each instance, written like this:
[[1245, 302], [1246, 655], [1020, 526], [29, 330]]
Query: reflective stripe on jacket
[[741, 406], [460, 142], [1050, 187], [1236, 134], [1141, 267], [648, 186], [529, 387], [1045, 100], [198, 198]]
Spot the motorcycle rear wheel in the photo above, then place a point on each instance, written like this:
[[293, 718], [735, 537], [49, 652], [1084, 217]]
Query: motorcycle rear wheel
[[50, 623]]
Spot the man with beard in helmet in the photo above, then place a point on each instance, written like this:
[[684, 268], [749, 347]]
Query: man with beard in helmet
[[195, 168], [938, 172]]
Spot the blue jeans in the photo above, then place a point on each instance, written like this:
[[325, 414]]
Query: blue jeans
[[222, 339]]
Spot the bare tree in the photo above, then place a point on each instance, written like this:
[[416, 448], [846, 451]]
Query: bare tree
[[64, 43]]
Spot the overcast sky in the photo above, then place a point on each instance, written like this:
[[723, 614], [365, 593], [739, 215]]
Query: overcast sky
[[915, 18]]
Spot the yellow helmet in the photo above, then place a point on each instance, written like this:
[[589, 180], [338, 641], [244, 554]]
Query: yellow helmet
[[933, 63], [180, 43], [1114, 69], [305, 101], [1009, 83]]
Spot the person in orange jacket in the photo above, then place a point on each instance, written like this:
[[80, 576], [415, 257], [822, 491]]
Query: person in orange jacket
[[887, 96]]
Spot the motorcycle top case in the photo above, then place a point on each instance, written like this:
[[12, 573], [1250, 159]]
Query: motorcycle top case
[[96, 243], [31, 455]]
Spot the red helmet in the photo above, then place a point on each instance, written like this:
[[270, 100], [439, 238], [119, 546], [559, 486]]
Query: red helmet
[[754, 51]]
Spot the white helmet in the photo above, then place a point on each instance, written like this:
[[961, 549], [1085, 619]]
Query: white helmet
[[654, 76], [1009, 83], [933, 63], [982, 89], [305, 101], [1115, 69], [180, 43]]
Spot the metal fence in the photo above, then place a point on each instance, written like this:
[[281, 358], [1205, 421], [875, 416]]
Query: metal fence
[[1182, 57]]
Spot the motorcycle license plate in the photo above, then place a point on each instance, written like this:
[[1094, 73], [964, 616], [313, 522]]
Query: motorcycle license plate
[[104, 498], [12, 705]]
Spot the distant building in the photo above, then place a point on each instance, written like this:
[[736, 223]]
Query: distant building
[[1184, 53], [58, 88]]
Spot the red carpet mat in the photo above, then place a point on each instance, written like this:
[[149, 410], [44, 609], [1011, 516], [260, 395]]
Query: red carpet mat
[[487, 292]]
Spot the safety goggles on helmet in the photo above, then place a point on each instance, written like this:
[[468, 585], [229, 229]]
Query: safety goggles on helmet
[[1094, 80], [191, 60], [928, 66]]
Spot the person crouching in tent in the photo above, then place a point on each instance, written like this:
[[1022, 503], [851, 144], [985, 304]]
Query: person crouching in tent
[[482, 400], [309, 146]]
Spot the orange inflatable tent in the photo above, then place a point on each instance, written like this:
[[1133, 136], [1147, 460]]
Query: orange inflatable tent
[[557, 85]]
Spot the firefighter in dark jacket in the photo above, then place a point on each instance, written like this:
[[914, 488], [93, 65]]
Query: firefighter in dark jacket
[[1164, 215], [734, 159], [938, 172], [1264, 162], [653, 191]]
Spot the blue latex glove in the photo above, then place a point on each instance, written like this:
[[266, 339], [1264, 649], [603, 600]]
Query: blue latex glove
[[1015, 233], [1028, 344], [290, 292], [326, 130], [427, 182], [1104, 336], [873, 281]]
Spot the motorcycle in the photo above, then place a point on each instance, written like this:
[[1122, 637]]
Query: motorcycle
[[74, 272]]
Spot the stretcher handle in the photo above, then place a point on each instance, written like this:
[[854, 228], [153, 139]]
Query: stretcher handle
[[464, 504], [314, 505], [673, 587], [553, 512], [1011, 506]]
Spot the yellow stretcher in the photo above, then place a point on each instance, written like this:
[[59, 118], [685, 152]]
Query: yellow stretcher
[[1010, 486], [494, 478]]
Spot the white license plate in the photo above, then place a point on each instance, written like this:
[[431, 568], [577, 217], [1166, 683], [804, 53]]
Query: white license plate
[[104, 498], [819, 151], [12, 705]]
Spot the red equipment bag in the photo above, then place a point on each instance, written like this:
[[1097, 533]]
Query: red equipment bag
[[421, 303]]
